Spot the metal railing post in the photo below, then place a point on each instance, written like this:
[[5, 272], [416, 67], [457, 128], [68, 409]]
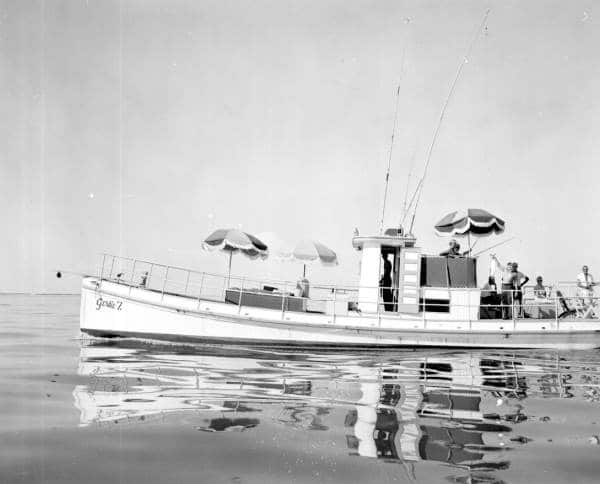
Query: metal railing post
[[468, 308], [102, 270], [241, 295], [555, 313], [187, 282], [132, 272], [149, 275], [112, 266], [334, 301], [162, 296], [200, 291], [283, 300], [513, 292]]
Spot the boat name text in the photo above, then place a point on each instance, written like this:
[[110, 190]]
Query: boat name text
[[108, 303]]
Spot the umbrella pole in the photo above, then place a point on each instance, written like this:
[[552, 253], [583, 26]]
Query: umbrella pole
[[469, 241], [304, 273], [229, 270]]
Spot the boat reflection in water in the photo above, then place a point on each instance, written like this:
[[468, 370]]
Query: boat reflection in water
[[461, 409], [437, 416]]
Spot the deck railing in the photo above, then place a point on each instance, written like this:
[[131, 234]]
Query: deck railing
[[335, 300]]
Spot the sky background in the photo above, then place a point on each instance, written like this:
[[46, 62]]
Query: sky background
[[137, 127]]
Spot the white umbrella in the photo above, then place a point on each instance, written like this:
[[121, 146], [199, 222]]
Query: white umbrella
[[312, 250]]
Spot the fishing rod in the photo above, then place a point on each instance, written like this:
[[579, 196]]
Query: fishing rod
[[60, 272], [493, 246], [387, 174], [465, 60], [410, 170]]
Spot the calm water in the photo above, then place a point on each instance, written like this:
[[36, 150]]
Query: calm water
[[75, 410]]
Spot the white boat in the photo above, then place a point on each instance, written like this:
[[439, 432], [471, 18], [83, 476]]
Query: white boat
[[436, 303]]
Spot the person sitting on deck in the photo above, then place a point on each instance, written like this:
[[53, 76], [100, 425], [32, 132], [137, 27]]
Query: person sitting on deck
[[490, 288], [489, 300], [302, 288], [539, 291], [385, 283], [453, 249]]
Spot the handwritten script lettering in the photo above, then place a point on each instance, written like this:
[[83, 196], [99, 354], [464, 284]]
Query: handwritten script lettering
[[108, 303]]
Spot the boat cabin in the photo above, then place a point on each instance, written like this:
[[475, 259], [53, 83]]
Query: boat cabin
[[444, 287]]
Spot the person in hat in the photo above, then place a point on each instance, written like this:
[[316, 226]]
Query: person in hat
[[453, 249]]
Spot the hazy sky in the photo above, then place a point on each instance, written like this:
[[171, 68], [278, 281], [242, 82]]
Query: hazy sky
[[126, 124]]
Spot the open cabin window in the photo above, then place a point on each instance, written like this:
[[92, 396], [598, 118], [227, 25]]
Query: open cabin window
[[445, 273]]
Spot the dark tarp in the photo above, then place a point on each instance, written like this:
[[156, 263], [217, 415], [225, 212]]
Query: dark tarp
[[457, 272]]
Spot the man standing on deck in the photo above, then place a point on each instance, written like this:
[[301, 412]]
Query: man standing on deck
[[585, 286], [522, 279], [509, 284], [385, 283]]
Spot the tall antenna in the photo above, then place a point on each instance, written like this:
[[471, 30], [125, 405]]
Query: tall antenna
[[465, 60]]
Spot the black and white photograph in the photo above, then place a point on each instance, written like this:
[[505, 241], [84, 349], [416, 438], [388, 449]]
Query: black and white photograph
[[298, 241]]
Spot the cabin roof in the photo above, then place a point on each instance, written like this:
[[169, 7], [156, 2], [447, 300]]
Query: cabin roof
[[384, 240]]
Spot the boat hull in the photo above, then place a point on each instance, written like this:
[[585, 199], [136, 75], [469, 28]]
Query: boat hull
[[109, 309]]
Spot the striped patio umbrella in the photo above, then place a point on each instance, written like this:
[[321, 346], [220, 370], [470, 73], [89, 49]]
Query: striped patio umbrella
[[471, 222], [474, 222], [312, 250], [232, 241]]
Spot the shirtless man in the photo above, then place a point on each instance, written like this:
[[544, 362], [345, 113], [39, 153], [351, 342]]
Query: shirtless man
[[521, 280], [509, 285]]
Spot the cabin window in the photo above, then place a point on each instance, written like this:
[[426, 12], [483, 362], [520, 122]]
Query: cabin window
[[435, 305]]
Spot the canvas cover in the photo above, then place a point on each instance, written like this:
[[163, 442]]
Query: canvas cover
[[458, 272]]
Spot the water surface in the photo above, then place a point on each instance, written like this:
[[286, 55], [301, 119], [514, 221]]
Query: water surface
[[84, 410]]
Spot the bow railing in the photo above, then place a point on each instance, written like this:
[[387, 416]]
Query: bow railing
[[564, 300]]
